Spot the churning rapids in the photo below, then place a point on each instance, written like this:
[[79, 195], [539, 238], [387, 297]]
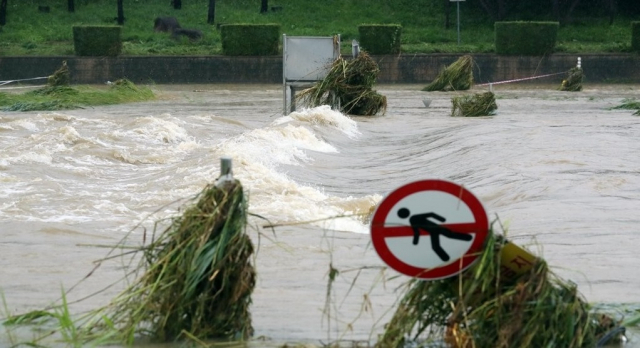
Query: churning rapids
[[560, 169]]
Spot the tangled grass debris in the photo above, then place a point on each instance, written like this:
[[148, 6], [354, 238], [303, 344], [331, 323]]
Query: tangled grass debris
[[198, 277], [482, 308], [194, 281], [456, 77], [348, 87], [60, 77], [479, 104]]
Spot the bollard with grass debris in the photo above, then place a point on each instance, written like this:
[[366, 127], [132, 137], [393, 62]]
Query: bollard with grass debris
[[355, 49], [348, 87], [573, 81], [60, 77], [483, 307], [197, 276], [193, 281]]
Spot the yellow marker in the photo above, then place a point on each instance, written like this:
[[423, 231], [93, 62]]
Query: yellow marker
[[515, 261]]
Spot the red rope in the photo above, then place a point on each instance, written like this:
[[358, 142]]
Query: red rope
[[522, 79]]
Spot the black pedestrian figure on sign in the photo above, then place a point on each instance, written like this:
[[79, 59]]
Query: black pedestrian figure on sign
[[421, 221]]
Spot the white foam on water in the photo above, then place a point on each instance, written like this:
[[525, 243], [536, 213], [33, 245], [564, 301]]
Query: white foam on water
[[56, 116], [33, 157], [24, 124], [323, 116], [155, 141], [154, 130], [260, 154]]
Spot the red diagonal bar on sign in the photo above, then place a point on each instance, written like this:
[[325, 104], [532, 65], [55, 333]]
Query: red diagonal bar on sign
[[407, 231]]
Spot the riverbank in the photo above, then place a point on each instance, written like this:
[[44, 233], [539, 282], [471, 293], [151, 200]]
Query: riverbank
[[394, 69]]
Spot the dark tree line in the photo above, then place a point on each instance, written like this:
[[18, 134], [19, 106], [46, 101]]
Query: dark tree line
[[562, 11]]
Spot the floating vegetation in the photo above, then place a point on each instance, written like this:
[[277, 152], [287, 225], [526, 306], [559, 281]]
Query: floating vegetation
[[482, 307], [348, 87], [573, 82], [629, 104], [193, 281], [456, 77], [63, 97], [480, 104]]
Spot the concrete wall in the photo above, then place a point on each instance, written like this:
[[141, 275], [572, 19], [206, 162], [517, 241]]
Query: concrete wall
[[418, 68]]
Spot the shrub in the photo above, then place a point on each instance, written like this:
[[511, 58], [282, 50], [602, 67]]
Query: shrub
[[635, 36], [250, 39], [380, 38], [97, 40], [525, 38]]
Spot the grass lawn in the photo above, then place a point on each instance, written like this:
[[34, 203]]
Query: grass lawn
[[29, 32]]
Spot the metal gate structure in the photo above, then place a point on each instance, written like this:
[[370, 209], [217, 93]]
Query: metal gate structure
[[305, 60]]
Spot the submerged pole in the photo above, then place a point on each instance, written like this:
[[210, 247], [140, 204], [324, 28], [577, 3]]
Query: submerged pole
[[226, 174]]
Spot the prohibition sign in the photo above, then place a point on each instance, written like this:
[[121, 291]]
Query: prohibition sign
[[429, 229]]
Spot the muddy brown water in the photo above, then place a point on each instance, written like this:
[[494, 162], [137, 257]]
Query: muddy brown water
[[560, 169]]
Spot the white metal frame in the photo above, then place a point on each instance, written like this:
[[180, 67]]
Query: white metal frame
[[305, 60]]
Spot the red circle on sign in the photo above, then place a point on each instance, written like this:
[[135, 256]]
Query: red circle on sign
[[479, 227]]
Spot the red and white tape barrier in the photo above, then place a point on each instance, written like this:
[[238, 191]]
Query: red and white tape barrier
[[521, 79]]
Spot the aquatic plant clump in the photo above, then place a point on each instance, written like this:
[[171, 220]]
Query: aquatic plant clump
[[479, 104], [198, 276], [573, 82], [481, 308], [348, 87], [456, 77]]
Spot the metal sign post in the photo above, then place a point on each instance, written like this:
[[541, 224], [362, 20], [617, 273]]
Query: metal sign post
[[430, 229], [306, 60], [458, 3]]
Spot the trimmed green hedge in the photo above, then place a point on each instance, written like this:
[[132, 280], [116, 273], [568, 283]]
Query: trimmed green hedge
[[635, 36], [92, 40], [525, 38], [380, 38], [250, 39]]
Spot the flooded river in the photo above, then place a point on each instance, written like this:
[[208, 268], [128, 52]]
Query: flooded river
[[561, 170]]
